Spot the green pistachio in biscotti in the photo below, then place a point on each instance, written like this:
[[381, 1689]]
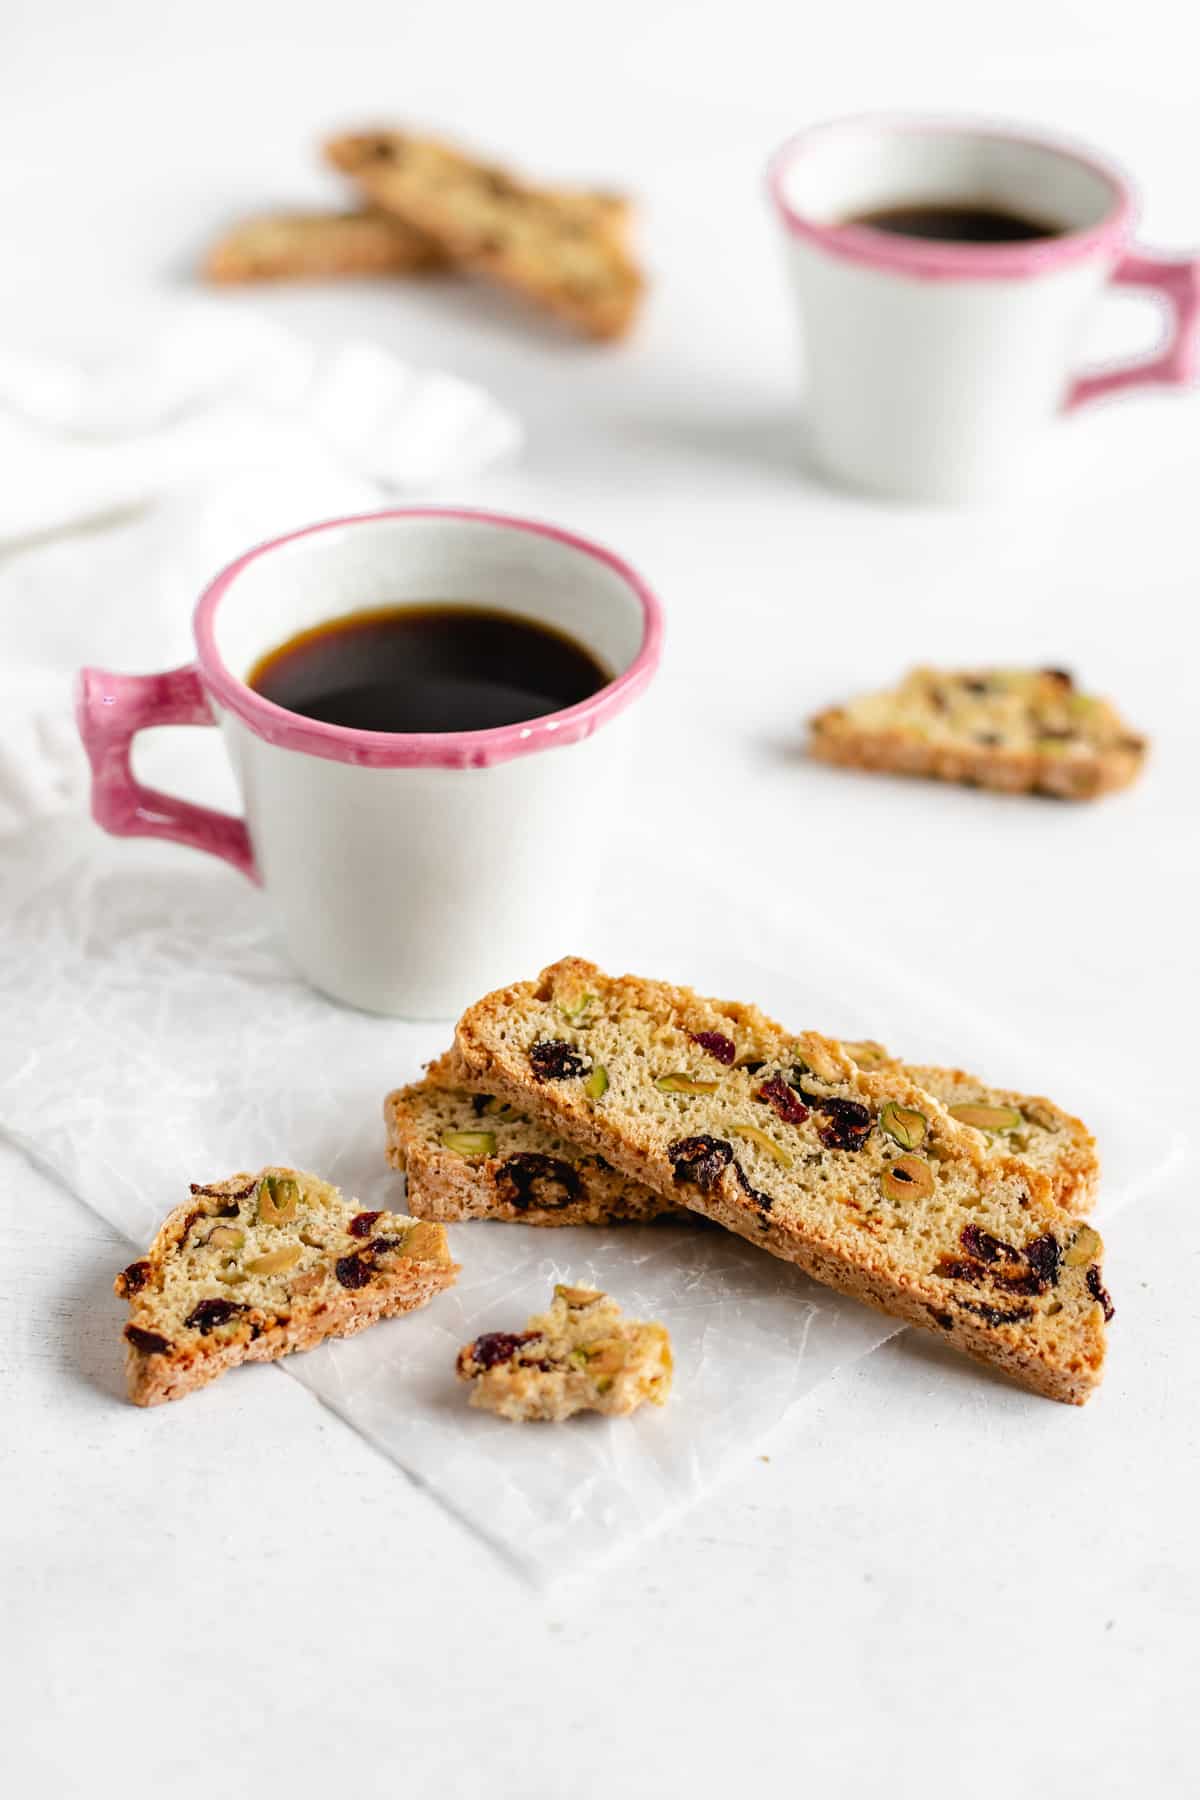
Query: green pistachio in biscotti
[[278, 1198], [596, 1083], [986, 1118], [470, 1143], [679, 1083], [907, 1178], [904, 1125], [766, 1143]]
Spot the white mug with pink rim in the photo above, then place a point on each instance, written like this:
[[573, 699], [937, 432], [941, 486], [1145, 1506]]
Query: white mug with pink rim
[[408, 872], [932, 366]]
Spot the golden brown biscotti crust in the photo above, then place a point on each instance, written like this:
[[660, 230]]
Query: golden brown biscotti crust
[[287, 246], [962, 1243], [1015, 731], [540, 242], [201, 1300]]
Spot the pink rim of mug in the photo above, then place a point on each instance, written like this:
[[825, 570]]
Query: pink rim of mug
[[427, 750], [952, 262]]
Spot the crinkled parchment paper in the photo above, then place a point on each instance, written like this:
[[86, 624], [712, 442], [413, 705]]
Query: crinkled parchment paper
[[151, 1035]]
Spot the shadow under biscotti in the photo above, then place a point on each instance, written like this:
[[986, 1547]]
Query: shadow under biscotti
[[94, 1349]]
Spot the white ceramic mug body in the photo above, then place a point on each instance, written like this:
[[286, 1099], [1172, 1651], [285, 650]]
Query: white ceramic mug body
[[931, 367], [408, 873]]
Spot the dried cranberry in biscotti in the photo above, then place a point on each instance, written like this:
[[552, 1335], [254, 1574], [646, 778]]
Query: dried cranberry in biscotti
[[206, 1315], [556, 1060], [790, 1108], [716, 1044], [148, 1342], [700, 1159], [531, 1178], [360, 1225]]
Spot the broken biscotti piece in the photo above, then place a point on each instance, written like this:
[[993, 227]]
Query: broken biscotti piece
[[470, 1155], [860, 1177], [1020, 730], [550, 245], [299, 245], [257, 1266], [581, 1356]]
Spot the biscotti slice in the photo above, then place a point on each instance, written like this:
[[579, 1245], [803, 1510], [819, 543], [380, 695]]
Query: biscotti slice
[[312, 245], [541, 242], [580, 1356], [1019, 730], [256, 1266], [860, 1177], [470, 1155]]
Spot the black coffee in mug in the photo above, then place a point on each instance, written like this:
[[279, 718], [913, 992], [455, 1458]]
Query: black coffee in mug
[[956, 222], [428, 668]]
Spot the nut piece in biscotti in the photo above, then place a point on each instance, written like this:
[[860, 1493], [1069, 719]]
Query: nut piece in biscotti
[[470, 1155], [544, 243], [314, 245], [581, 1356], [860, 1177], [256, 1266], [1018, 730]]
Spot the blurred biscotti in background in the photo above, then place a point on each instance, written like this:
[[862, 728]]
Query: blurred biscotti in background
[[424, 206], [1017, 730]]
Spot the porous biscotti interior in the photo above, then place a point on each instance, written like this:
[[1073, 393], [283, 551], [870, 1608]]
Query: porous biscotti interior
[[448, 1122]]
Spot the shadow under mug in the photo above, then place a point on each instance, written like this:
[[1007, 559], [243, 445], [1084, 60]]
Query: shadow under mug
[[408, 872], [931, 366]]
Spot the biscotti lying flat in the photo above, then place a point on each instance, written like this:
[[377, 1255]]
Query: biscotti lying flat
[[540, 242], [859, 1177], [1019, 730], [312, 245], [580, 1356], [469, 1155], [253, 1267], [316, 246]]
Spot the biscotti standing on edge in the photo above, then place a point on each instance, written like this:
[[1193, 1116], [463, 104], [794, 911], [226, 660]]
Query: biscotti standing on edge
[[314, 245], [253, 1267], [859, 1177], [580, 1356], [549, 245], [1017, 730], [470, 1155]]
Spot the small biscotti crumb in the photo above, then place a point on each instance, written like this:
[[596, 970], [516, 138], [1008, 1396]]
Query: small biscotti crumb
[[1018, 730], [253, 1267], [580, 1356]]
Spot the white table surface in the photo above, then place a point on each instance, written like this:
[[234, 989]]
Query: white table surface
[[935, 1583]]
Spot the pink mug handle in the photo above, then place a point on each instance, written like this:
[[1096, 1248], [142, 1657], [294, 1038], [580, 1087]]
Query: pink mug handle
[[109, 710], [1178, 281]]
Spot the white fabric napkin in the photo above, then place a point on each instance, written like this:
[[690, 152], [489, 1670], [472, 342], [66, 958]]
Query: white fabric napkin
[[211, 391]]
